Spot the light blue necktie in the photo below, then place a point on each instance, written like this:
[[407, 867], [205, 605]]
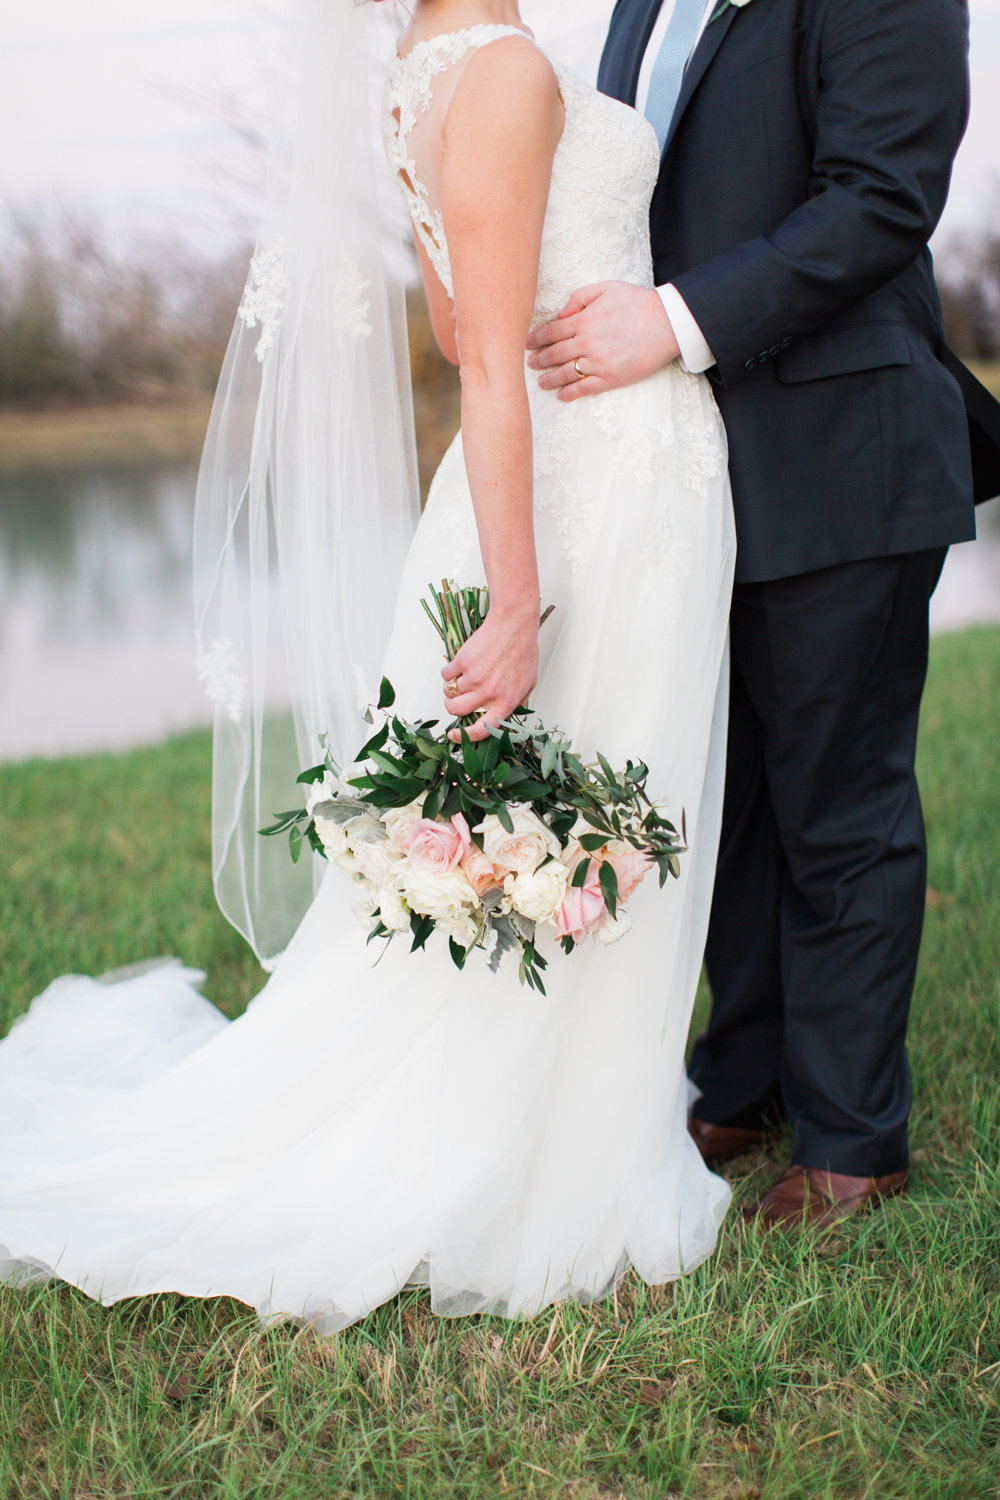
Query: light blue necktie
[[668, 70]]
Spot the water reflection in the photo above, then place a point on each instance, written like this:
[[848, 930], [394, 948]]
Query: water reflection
[[96, 645]]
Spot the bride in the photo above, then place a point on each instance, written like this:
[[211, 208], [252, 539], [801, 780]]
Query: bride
[[367, 1126]]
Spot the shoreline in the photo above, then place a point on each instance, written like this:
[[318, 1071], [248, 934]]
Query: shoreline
[[124, 434]]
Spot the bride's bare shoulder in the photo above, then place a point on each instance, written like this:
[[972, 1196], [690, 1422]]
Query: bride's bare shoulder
[[510, 77]]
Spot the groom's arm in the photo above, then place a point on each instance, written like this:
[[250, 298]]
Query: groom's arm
[[890, 114]]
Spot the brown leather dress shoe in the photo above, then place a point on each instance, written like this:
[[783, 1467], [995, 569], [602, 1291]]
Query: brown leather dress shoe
[[722, 1142], [811, 1197]]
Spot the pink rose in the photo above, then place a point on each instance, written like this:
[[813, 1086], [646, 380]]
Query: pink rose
[[582, 910], [630, 866], [437, 847], [482, 873]]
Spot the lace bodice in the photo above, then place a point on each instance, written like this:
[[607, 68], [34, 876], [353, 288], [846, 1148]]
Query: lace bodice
[[605, 168]]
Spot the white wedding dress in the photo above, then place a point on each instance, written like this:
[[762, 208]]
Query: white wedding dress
[[368, 1125]]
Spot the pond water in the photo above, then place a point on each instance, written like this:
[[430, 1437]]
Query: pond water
[[96, 636]]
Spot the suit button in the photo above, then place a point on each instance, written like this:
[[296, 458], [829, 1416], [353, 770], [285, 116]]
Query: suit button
[[762, 357], [785, 343], [751, 364], [776, 349]]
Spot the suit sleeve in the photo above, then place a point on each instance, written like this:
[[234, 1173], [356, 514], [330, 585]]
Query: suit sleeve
[[891, 110]]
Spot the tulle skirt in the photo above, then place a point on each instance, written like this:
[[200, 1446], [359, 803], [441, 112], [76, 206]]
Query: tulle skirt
[[374, 1121]]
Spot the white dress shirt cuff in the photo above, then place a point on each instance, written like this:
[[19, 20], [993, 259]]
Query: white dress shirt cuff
[[696, 356]]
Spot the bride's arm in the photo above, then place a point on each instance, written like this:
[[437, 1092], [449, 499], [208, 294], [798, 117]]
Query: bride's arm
[[500, 136], [439, 306]]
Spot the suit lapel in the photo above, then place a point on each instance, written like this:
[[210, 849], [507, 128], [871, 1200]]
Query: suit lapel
[[628, 37], [711, 40]]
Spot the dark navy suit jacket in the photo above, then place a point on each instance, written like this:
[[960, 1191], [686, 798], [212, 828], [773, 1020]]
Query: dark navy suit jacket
[[806, 167]]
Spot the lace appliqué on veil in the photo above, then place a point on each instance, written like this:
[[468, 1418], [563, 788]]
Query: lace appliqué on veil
[[263, 300], [217, 668], [353, 308]]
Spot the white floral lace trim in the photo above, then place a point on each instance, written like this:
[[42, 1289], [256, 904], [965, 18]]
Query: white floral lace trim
[[353, 307], [218, 673], [263, 300], [408, 94]]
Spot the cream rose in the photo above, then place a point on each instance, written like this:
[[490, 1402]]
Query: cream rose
[[538, 894], [525, 848], [437, 896], [612, 928]]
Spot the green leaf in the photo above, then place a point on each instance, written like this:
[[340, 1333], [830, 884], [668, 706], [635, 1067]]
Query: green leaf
[[605, 767], [592, 842], [284, 821], [315, 773], [506, 821], [458, 953], [609, 885], [549, 756], [375, 743], [295, 842], [434, 800], [386, 694], [390, 763], [452, 803], [581, 872], [490, 754], [421, 928], [471, 759]]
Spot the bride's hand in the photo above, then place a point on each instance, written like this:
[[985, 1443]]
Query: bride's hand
[[495, 671]]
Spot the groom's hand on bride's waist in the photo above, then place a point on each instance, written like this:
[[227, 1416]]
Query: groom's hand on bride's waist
[[607, 336]]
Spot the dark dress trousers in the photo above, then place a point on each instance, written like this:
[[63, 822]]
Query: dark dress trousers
[[806, 167]]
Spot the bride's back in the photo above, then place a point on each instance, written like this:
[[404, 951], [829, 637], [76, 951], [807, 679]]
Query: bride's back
[[605, 166]]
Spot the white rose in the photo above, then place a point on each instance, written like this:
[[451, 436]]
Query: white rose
[[321, 791], [366, 912], [613, 928], [375, 861], [437, 896], [348, 865], [392, 908], [460, 926], [341, 837], [538, 894], [525, 848], [332, 835], [397, 820]]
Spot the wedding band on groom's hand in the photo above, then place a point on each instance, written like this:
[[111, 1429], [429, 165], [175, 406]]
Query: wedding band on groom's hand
[[576, 366]]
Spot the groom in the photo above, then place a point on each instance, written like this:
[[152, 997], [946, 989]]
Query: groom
[[806, 153]]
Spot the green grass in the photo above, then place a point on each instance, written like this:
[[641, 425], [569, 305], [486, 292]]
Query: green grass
[[863, 1362]]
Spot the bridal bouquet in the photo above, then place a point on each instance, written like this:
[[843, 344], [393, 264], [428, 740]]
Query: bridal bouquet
[[483, 842]]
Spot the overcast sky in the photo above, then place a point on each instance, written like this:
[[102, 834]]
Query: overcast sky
[[104, 101]]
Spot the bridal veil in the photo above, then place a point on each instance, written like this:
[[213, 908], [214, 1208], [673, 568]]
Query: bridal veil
[[307, 495]]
